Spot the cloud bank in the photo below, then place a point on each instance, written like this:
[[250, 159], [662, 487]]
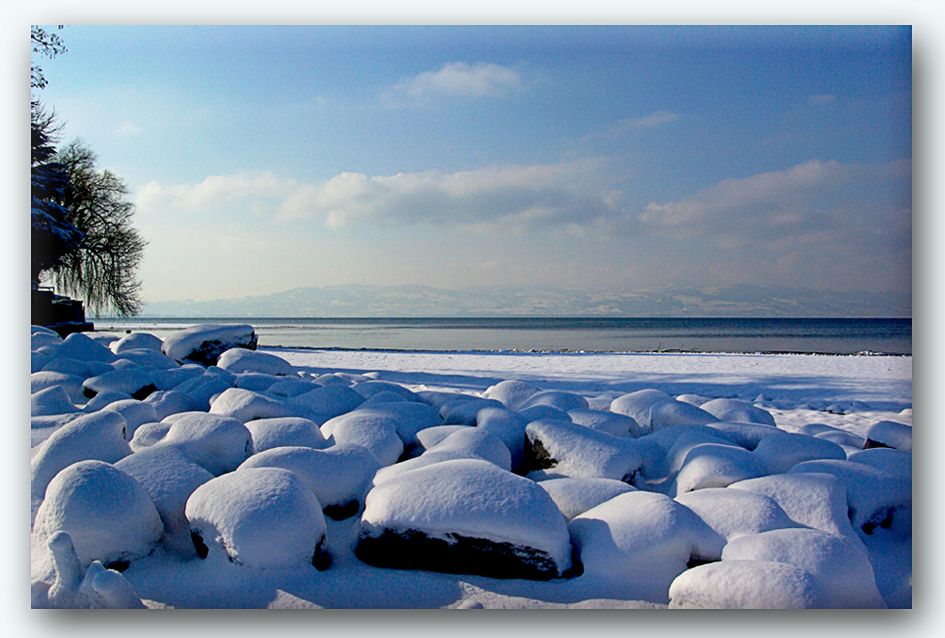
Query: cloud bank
[[459, 79]]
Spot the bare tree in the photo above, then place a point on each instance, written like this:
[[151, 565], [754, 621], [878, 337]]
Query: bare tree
[[103, 271]]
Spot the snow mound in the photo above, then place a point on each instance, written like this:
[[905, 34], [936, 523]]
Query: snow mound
[[467, 517], [634, 545], [511, 393], [375, 432], [328, 402], [136, 341], [669, 413], [747, 435], [637, 405], [780, 453], [108, 515], [466, 443], [99, 436], [246, 405], [51, 400], [146, 358], [203, 388], [261, 517], [134, 412], [166, 403], [289, 388], [736, 513], [508, 426], [815, 500], [204, 343], [339, 476], [609, 422], [430, 437], [217, 443], [747, 584], [70, 383], [84, 348], [238, 360], [135, 382], [737, 411], [285, 431], [368, 389], [890, 434], [543, 412], [169, 478], [887, 460], [557, 399], [839, 564], [409, 417], [715, 465], [463, 411], [557, 449], [574, 496]]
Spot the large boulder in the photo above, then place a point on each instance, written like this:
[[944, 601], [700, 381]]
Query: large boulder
[[715, 465], [136, 341], [205, 343], [109, 516], [285, 431], [890, 434], [465, 517], [262, 517], [237, 360], [637, 405], [736, 513], [218, 444], [609, 422], [135, 382], [512, 392], [246, 405], [376, 432]]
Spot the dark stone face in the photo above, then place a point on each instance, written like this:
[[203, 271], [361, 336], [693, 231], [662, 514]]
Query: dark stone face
[[341, 511], [455, 554], [199, 545], [536, 457]]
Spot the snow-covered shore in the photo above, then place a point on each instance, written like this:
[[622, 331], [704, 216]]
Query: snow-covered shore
[[829, 403]]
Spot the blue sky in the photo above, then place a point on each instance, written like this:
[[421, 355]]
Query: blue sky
[[263, 159]]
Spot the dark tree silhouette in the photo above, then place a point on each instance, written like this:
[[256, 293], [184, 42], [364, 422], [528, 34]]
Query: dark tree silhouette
[[47, 44], [103, 270]]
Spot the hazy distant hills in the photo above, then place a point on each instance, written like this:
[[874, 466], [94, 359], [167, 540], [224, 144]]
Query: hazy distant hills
[[425, 301]]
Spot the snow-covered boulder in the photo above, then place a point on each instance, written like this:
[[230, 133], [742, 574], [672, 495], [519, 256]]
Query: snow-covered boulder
[[256, 381], [780, 453], [327, 402], [134, 412], [409, 418], [40, 338], [430, 437], [71, 383], [376, 432], [166, 403], [508, 426], [146, 358], [262, 517], [889, 460], [108, 515], [736, 513], [557, 399], [839, 564], [99, 436], [76, 367], [203, 388], [216, 443], [466, 443], [815, 500], [136, 341], [637, 405], [369, 388], [169, 379], [874, 497], [246, 405], [466, 517], [104, 399], [512, 392], [557, 449], [747, 584], [664, 452], [609, 422], [890, 434], [237, 360], [634, 545], [283, 431], [543, 412], [574, 496], [82, 347], [135, 382], [51, 400], [289, 387], [204, 343], [149, 434], [463, 411], [666, 414], [169, 478], [715, 465], [339, 476], [737, 411], [747, 435]]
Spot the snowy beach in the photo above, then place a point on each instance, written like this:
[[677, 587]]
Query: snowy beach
[[466, 479]]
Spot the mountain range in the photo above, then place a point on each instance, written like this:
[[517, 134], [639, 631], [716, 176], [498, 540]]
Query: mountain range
[[425, 301]]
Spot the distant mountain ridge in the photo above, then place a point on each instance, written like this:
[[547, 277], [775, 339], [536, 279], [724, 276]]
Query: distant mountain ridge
[[426, 301]]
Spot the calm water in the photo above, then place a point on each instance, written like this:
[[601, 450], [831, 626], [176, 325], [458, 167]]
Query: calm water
[[834, 336]]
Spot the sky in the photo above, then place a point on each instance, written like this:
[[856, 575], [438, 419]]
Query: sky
[[262, 158]]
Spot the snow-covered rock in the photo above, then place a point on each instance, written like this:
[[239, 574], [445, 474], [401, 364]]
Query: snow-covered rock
[[409, 418], [246, 405], [637, 405], [135, 382], [203, 388], [463, 411], [136, 341], [747, 435], [166, 403], [326, 402], [70, 383], [256, 381], [51, 400], [467, 517], [736, 513], [512, 392], [890, 434], [107, 514], [76, 367], [508, 426], [204, 343], [839, 564], [339, 476], [430, 437], [666, 414], [99, 436], [543, 412], [283, 431], [574, 496], [465, 443], [609, 422], [715, 465], [376, 432], [634, 545], [134, 412], [146, 358], [261, 517], [288, 388], [780, 453], [815, 500], [169, 478], [747, 584], [40, 338], [149, 434], [557, 449], [889, 460], [368, 389], [82, 347], [737, 411], [218, 444], [557, 399], [237, 360]]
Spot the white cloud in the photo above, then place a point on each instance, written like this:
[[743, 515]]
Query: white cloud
[[461, 79]]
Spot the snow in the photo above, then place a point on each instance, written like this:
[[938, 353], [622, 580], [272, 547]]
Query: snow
[[635, 545]]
